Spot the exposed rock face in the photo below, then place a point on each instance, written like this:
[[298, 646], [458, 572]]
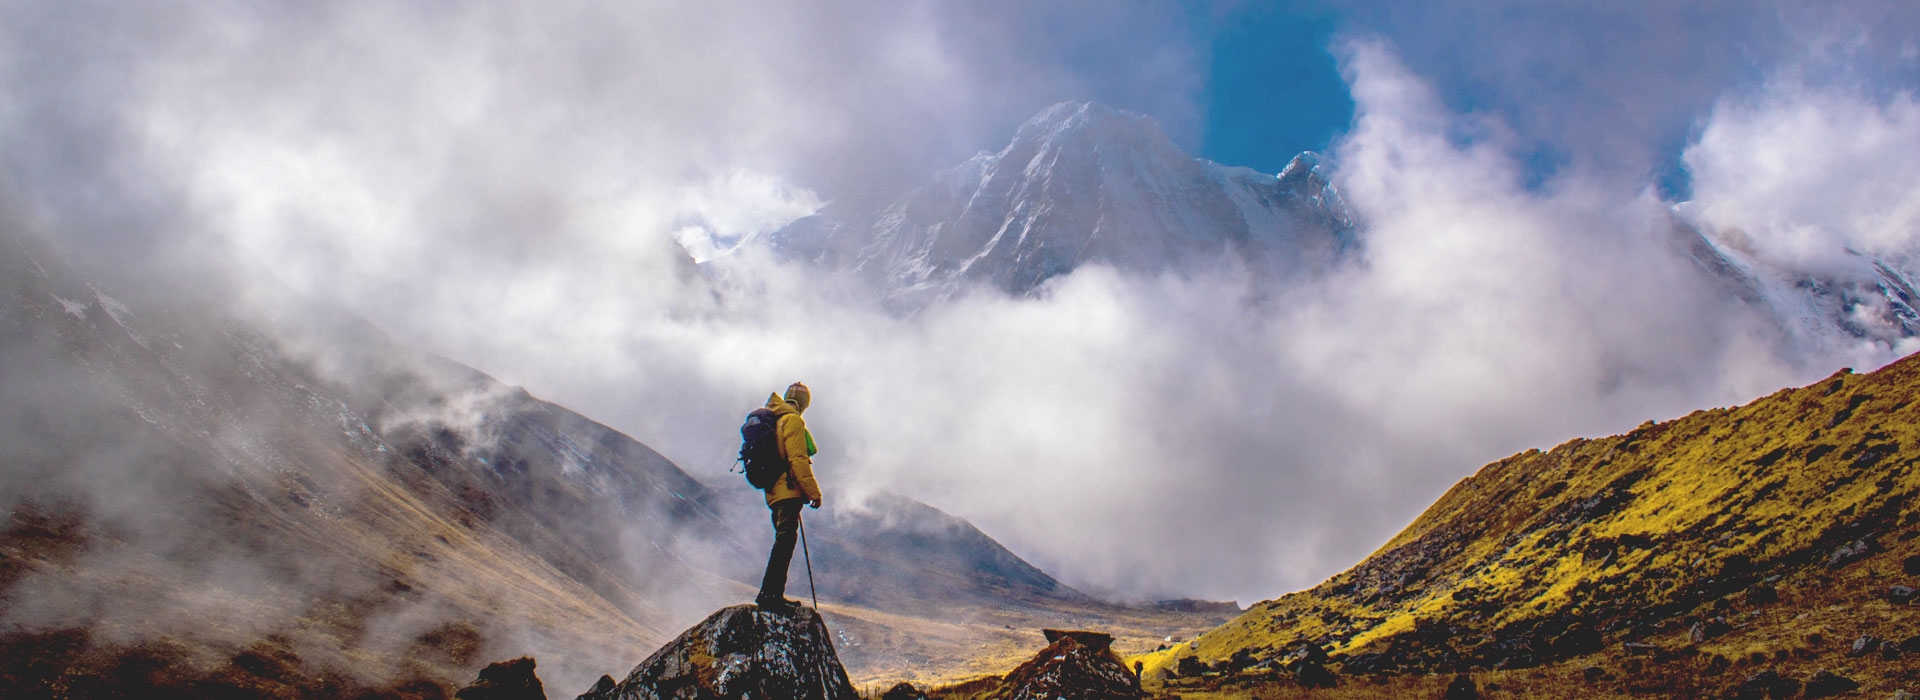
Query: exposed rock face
[[738, 653], [1070, 670], [505, 680]]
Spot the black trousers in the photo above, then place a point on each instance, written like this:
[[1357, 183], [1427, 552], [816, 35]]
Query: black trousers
[[786, 531]]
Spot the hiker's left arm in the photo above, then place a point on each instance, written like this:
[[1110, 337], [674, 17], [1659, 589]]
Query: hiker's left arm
[[795, 443]]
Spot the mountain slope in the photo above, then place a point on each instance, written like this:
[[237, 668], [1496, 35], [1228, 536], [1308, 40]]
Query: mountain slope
[[184, 485], [1851, 297], [173, 478], [1763, 537], [1080, 183]]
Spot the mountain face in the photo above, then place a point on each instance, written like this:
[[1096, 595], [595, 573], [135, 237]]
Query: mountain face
[[1083, 183], [275, 502], [1683, 559], [1080, 183], [181, 481], [1855, 297]]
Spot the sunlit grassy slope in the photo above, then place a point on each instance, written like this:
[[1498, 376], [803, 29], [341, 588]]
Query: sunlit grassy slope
[[1778, 528]]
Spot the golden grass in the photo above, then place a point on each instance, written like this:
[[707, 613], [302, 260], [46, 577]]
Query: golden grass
[[1671, 521]]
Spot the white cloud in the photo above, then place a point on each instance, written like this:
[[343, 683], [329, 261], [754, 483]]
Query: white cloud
[[1806, 174], [504, 184]]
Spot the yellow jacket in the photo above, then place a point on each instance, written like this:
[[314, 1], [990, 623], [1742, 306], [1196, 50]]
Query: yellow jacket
[[796, 445]]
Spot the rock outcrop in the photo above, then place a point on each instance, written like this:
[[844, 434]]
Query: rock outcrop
[[740, 653], [1462, 688], [903, 691], [1076, 666], [1826, 684], [505, 680]]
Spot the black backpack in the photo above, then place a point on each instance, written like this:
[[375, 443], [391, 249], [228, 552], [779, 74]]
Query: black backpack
[[760, 449]]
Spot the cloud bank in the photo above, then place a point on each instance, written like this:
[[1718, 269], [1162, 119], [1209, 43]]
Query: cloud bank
[[506, 184]]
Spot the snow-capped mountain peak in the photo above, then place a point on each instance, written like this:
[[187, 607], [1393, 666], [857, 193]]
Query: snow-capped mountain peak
[[1079, 183]]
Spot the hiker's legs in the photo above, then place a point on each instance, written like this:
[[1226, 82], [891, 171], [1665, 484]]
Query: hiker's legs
[[786, 531]]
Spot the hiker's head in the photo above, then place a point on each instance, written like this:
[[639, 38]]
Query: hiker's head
[[798, 395]]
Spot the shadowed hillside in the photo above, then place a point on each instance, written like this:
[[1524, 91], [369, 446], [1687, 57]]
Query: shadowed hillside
[[1689, 557]]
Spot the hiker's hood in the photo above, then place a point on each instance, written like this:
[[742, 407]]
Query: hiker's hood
[[779, 406]]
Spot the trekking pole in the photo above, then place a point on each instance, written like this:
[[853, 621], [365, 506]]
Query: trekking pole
[[808, 557]]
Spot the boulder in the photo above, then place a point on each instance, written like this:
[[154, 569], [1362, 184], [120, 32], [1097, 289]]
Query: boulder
[[1307, 651], [505, 680], [1091, 640], [1069, 670], [1708, 629], [1462, 688], [600, 689], [1766, 684], [1312, 675], [1370, 662], [1903, 695], [1579, 640], [1243, 660], [1866, 644], [1900, 595], [1852, 552], [1825, 683], [903, 691], [741, 652]]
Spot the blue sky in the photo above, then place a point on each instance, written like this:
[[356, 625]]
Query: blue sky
[[1614, 87], [1273, 88]]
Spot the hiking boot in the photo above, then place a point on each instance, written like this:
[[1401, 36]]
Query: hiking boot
[[776, 604]]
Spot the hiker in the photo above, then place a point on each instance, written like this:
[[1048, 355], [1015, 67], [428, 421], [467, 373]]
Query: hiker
[[788, 493]]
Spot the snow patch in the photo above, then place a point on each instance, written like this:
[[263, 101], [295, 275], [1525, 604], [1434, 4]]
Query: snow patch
[[77, 308], [118, 310]]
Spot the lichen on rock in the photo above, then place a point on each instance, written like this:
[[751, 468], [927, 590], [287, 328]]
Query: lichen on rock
[[740, 653], [1070, 669]]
